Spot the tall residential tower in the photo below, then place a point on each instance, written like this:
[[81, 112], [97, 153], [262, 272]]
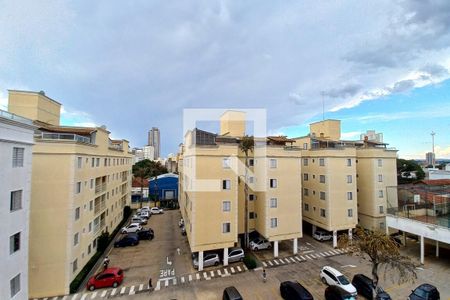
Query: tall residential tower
[[154, 140]]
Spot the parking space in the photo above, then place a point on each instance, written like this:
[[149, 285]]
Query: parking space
[[163, 258]]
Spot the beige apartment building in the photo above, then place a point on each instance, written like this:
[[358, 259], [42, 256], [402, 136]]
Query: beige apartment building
[[344, 182], [212, 188], [81, 181]]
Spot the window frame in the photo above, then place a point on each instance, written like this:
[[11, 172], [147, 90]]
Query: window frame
[[273, 202], [226, 227], [14, 243], [273, 163], [226, 206], [273, 183], [13, 201], [18, 157], [273, 222]]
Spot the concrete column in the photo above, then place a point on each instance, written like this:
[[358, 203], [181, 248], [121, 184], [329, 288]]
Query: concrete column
[[275, 248], [313, 229], [437, 248], [404, 238], [225, 256], [387, 230], [422, 250], [295, 246], [334, 238], [350, 234], [200, 260]]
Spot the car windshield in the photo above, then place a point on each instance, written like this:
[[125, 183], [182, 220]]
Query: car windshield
[[349, 298], [343, 280], [421, 293]]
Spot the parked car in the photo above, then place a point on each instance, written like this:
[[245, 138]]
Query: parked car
[[322, 235], [133, 227], [331, 276], [209, 259], [144, 234], [139, 220], [291, 290], [235, 254], [145, 214], [425, 291], [260, 244], [364, 285], [335, 292], [231, 293], [110, 277], [127, 240], [156, 210]]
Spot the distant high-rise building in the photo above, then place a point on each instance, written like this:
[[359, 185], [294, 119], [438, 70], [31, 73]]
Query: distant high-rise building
[[372, 136], [430, 158], [154, 140]]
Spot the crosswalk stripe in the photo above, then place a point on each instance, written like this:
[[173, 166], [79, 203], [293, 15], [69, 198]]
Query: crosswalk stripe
[[190, 277], [307, 256], [205, 275], [226, 271], [218, 272], [46, 298], [197, 276], [270, 263], [264, 264], [293, 260], [103, 294], [141, 287], [158, 285], [232, 270], [239, 269], [64, 298], [166, 283], [322, 254], [298, 258], [276, 262], [74, 296], [212, 273], [303, 258], [182, 279], [131, 292], [335, 252], [245, 268], [94, 294], [174, 281], [281, 260], [122, 291], [84, 296], [55, 298]]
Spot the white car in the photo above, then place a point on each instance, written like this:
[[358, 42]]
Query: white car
[[331, 276], [144, 214], [322, 235], [260, 244], [156, 210], [209, 259], [133, 227]]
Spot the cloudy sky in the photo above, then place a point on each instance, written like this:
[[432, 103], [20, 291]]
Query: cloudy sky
[[382, 65]]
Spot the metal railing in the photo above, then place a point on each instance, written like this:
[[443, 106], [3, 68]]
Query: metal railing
[[100, 188], [64, 137], [7, 115]]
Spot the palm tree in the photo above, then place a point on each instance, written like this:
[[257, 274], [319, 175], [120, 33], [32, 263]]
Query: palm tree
[[246, 144]]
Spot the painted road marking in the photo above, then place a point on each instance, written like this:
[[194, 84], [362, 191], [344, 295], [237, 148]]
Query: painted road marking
[[226, 271], [218, 272], [131, 291], [64, 298], [232, 270], [245, 268], [94, 294], [307, 256], [239, 268], [323, 254], [190, 277], [182, 279], [276, 262], [197, 275], [103, 294], [264, 264], [166, 283], [293, 260], [74, 296], [298, 258], [158, 285], [84, 296], [212, 273], [122, 291], [175, 281], [204, 275], [270, 263]]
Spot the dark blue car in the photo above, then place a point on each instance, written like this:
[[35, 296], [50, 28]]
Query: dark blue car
[[127, 241]]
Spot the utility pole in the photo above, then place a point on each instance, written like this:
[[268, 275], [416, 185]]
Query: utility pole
[[433, 158]]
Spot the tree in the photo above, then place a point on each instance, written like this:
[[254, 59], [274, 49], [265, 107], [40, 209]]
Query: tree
[[382, 252], [146, 169], [246, 144], [141, 173], [409, 166]]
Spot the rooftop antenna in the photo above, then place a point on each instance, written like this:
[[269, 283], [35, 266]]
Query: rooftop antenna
[[323, 105], [433, 157]]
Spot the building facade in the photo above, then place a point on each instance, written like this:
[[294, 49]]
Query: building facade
[[154, 139], [430, 159], [81, 181], [16, 140], [212, 193]]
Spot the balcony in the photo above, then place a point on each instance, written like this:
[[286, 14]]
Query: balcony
[[64, 137], [100, 188], [8, 115]]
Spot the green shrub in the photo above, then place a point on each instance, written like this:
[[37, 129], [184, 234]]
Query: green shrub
[[103, 241], [126, 212], [75, 284], [250, 262]]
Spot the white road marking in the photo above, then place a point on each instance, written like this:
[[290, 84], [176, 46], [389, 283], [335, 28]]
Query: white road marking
[[293, 260], [212, 273], [158, 285], [270, 263], [308, 257], [182, 279], [276, 262], [218, 272], [190, 277], [245, 268], [323, 254], [197, 276], [174, 281], [298, 258], [226, 271], [166, 283], [131, 291], [309, 251], [103, 294], [264, 264], [74, 296], [303, 257], [84, 296], [55, 298], [64, 298], [232, 270], [204, 275], [94, 294], [122, 291], [141, 287], [239, 269]]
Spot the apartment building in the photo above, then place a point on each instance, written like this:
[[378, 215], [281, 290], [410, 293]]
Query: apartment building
[[81, 181], [344, 182], [212, 184], [16, 140]]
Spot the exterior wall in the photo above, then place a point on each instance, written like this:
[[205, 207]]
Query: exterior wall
[[330, 129], [377, 170], [14, 134], [35, 106], [336, 187]]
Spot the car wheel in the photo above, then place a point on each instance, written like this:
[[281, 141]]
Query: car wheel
[[92, 287], [255, 249], [115, 284], [269, 247], [324, 280], [216, 263]]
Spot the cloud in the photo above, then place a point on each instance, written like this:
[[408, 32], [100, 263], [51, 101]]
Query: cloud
[[350, 135], [442, 152]]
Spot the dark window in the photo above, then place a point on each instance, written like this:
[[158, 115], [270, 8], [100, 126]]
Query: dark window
[[14, 243]]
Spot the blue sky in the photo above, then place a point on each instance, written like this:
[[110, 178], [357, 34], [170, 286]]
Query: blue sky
[[381, 65]]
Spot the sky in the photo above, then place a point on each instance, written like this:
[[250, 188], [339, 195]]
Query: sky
[[130, 65]]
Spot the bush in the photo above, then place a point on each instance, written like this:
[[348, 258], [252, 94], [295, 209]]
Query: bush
[[126, 212], [75, 284], [250, 262], [103, 241]]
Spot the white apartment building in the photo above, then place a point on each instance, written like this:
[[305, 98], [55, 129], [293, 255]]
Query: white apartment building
[[16, 140]]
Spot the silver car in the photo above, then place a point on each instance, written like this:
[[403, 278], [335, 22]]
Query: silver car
[[235, 254], [260, 244], [209, 259]]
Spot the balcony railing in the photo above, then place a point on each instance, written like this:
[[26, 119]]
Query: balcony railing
[[100, 188], [64, 137], [8, 115], [98, 207]]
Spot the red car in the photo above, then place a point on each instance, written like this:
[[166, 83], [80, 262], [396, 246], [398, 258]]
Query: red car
[[110, 277]]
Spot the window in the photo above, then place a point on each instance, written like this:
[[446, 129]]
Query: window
[[80, 162], [90, 226], [251, 197], [226, 227], [305, 146], [305, 192], [92, 183], [17, 159], [251, 179], [273, 222], [105, 162], [349, 178], [226, 163], [91, 205], [78, 188], [306, 206], [305, 176], [273, 183], [322, 179], [97, 162], [75, 265], [76, 238], [305, 161], [322, 196], [350, 213], [321, 162], [15, 285], [273, 202], [226, 184], [380, 178], [92, 162], [226, 205], [14, 243], [16, 200], [77, 213], [89, 249], [251, 215], [380, 162], [251, 162], [349, 196], [273, 163], [380, 194], [322, 213], [381, 209], [349, 162]]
